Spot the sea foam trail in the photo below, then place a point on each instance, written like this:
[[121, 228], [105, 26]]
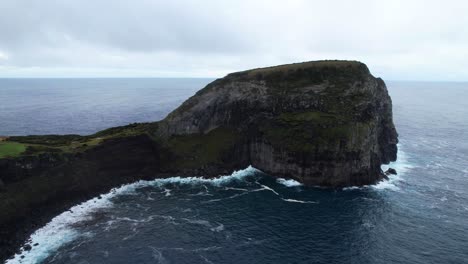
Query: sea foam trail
[[59, 230], [298, 201], [288, 182]]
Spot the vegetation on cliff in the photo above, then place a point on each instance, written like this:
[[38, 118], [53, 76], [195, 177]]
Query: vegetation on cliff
[[11, 149]]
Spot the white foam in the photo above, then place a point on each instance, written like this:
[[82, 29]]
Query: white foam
[[157, 255], [205, 223], [237, 175], [219, 228], [167, 192], [401, 165], [201, 194], [368, 225], [186, 249], [236, 189], [198, 222], [205, 259], [264, 187], [288, 182], [351, 188], [386, 185], [230, 197], [59, 230], [298, 201]]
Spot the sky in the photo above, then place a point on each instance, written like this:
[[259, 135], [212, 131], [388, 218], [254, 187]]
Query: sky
[[398, 40]]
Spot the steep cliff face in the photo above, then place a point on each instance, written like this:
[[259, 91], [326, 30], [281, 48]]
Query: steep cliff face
[[326, 123]]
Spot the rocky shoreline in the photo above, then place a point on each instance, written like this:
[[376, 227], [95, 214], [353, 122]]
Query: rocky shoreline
[[325, 123]]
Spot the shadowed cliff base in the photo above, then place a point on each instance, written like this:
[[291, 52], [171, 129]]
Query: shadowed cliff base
[[324, 123]]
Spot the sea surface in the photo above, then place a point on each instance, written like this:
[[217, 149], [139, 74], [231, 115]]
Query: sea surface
[[418, 216]]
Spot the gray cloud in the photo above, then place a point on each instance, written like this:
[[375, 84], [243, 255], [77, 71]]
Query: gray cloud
[[397, 39]]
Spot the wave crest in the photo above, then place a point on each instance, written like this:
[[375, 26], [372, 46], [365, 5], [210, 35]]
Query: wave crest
[[288, 182]]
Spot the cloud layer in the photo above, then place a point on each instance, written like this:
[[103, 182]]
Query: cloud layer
[[418, 40]]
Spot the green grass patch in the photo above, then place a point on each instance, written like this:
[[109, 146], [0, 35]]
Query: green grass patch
[[38, 144], [11, 149], [48, 140], [128, 130]]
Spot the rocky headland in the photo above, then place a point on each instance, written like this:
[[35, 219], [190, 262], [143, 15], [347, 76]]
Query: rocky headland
[[323, 123]]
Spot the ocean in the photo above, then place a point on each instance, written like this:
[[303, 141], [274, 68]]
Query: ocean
[[417, 216]]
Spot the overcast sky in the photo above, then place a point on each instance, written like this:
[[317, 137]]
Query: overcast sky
[[398, 40]]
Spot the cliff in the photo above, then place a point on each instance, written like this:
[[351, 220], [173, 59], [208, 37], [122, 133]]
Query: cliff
[[325, 123]]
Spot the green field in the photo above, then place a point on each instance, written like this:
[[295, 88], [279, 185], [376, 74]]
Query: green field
[[11, 149]]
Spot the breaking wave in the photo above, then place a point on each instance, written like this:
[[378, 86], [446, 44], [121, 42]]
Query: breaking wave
[[401, 165], [59, 231], [288, 182]]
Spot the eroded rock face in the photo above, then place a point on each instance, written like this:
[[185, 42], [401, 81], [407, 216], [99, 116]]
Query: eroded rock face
[[326, 123]]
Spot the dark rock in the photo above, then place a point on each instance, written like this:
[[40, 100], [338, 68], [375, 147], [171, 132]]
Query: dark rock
[[27, 247], [391, 171]]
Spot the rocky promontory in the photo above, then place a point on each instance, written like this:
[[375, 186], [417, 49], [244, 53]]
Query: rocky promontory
[[323, 123]]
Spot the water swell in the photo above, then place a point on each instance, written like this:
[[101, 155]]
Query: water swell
[[60, 231]]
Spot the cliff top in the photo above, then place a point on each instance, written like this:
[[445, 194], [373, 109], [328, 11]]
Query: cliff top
[[303, 65], [338, 73]]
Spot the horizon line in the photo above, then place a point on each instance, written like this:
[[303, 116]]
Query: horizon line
[[186, 77]]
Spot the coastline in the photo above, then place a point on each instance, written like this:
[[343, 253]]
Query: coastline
[[56, 220], [82, 206], [323, 123], [15, 235]]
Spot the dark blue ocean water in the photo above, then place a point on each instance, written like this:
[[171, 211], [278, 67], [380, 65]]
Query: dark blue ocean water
[[418, 216], [85, 106]]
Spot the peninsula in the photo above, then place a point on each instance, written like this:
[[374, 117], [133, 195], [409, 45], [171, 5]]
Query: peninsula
[[323, 123]]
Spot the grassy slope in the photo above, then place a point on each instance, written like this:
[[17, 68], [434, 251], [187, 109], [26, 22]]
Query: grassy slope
[[11, 149], [37, 144]]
